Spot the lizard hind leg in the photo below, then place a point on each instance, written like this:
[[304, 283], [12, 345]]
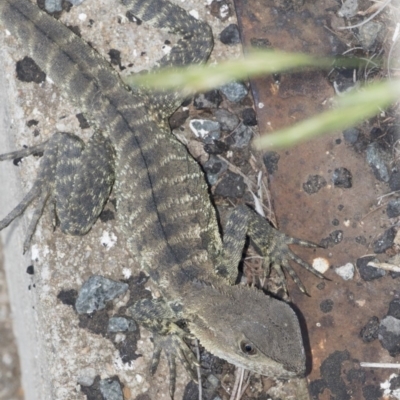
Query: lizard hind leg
[[273, 245], [67, 164]]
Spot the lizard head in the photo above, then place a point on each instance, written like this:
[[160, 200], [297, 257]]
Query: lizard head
[[250, 330]]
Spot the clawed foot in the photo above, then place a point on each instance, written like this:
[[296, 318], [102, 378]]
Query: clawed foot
[[279, 255], [174, 345]]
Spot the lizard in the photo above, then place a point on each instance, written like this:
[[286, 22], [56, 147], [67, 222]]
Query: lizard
[[164, 212]]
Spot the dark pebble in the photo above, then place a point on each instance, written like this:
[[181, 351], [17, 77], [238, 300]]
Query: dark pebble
[[178, 118], [260, 43], [271, 159], [96, 292], [393, 208], [394, 180], [376, 158], [29, 71], [385, 241], [372, 392], [342, 178], [394, 308], [231, 185], [30, 270], [395, 382], [314, 183], [211, 99], [227, 120], [213, 168], [217, 147], [326, 306], [230, 35], [333, 239], [366, 272], [351, 135], [361, 240], [240, 137], [370, 331], [249, 117]]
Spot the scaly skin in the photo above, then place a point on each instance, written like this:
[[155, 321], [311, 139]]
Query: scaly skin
[[163, 207]]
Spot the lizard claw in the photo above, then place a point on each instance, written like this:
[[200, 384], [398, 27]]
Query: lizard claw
[[174, 345]]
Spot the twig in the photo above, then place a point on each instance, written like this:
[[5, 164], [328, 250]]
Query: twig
[[236, 384], [196, 345], [379, 365], [368, 19], [385, 266], [246, 385], [392, 46]]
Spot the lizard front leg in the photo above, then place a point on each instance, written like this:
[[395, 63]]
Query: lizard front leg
[[272, 243], [74, 177], [156, 316]]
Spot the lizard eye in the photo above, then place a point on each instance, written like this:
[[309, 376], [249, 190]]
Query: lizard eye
[[248, 348]]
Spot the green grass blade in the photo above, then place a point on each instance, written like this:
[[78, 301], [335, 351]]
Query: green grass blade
[[202, 78], [350, 110]]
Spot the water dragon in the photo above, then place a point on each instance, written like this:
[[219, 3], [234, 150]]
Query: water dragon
[[163, 207]]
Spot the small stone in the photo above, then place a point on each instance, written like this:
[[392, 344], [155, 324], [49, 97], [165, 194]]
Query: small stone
[[216, 147], [346, 271], [86, 376], [376, 159], [393, 208], [211, 99], [385, 241], [394, 180], [230, 35], [335, 222], [28, 71], [389, 335], [270, 160], [372, 392], [326, 306], [333, 239], [121, 324], [349, 9], [231, 185], [213, 168], [370, 331], [342, 178], [249, 117], [351, 135], [370, 34], [220, 9], [320, 264], [260, 43], [111, 389], [178, 118], [314, 183], [227, 120], [205, 127], [394, 308], [52, 6], [361, 240], [234, 91], [96, 291], [30, 270], [240, 137], [366, 272]]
